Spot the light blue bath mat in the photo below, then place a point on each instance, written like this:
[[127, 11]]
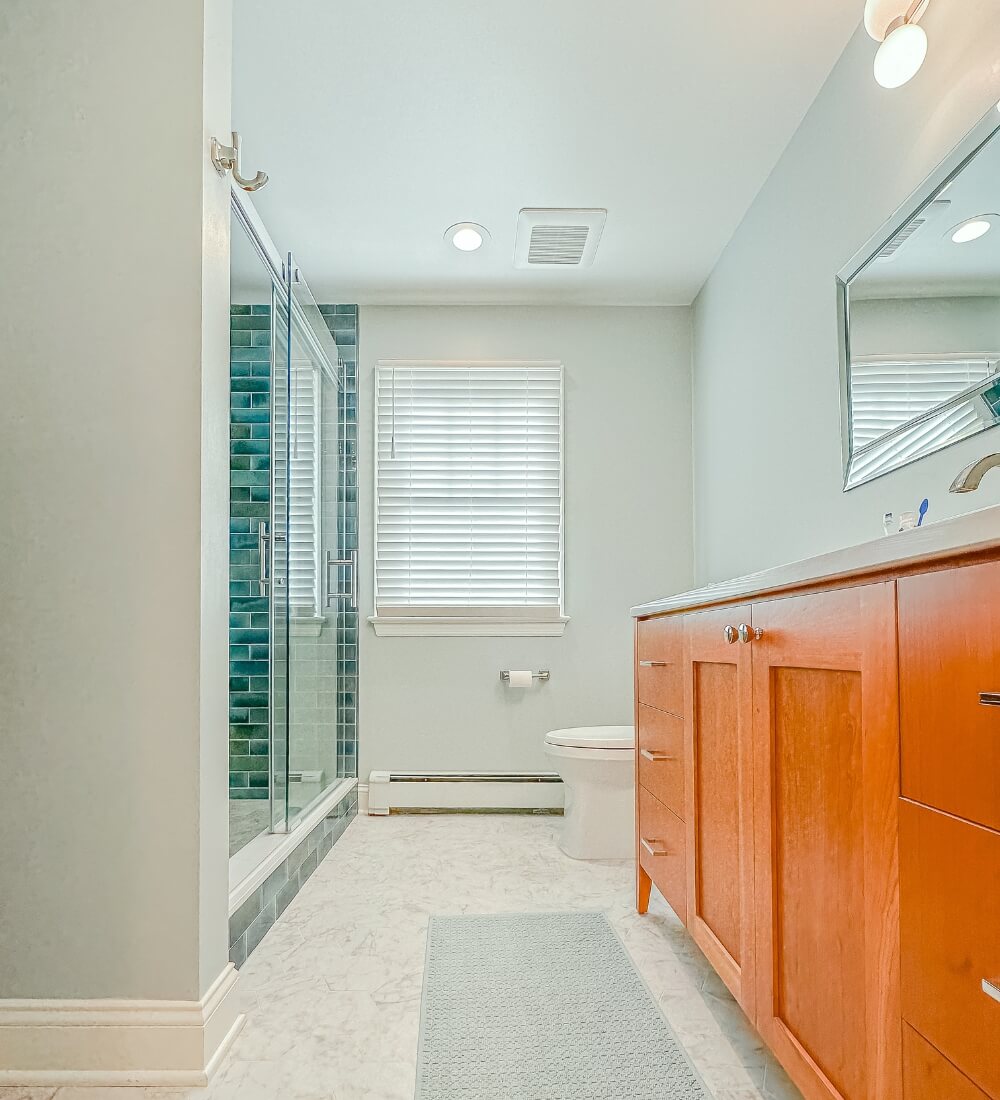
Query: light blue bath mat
[[542, 1006]]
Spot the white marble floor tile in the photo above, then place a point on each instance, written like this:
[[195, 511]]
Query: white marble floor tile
[[332, 993]]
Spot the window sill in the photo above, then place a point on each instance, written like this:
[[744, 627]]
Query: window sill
[[441, 626]]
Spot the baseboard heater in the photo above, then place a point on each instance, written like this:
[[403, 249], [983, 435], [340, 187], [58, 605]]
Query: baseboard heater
[[464, 792]]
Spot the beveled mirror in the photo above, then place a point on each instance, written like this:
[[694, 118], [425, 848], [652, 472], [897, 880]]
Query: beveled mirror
[[920, 318]]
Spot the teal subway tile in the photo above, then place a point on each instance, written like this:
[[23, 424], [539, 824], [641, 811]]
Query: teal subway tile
[[261, 430], [260, 337], [257, 748], [259, 653], [243, 540], [238, 462], [239, 431], [261, 494], [248, 637], [255, 732], [239, 370], [259, 779], [238, 714], [250, 446], [249, 668], [249, 385], [253, 603], [239, 310], [250, 699], [243, 323], [260, 462], [239, 653], [248, 573], [246, 415], [259, 683], [261, 309], [240, 621], [247, 793], [238, 778], [236, 684], [238, 401], [258, 715], [239, 338], [239, 588], [244, 557], [259, 400]]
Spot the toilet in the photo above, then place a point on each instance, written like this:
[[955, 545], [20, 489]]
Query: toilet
[[597, 767]]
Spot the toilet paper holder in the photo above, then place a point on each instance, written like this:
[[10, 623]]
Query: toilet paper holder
[[543, 675]]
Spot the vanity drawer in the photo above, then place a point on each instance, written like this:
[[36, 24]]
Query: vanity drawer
[[660, 655], [661, 756], [949, 902], [949, 654], [928, 1075], [661, 851]]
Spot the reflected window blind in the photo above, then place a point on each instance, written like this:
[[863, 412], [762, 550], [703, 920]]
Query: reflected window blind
[[887, 394], [303, 553], [469, 489]]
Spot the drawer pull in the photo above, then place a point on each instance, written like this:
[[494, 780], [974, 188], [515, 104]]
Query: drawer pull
[[654, 847], [990, 698], [656, 757], [653, 664], [730, 634], [991, 990]]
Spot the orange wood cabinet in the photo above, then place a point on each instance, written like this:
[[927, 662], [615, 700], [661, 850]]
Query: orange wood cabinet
[[950, 906], [831, 832], [949, 659], [826, 790], [719, 814], [928, 1075]]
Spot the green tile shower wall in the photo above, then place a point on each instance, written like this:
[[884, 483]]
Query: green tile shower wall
[[249, 504], [250, 430]]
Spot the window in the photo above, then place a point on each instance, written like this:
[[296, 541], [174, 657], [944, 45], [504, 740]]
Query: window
[[469, 527], [303, 434]]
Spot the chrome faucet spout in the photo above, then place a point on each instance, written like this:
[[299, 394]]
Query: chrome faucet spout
[[968, 480]]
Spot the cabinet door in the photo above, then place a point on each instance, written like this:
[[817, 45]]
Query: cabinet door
[[718, 713], [826, 760], [949, 685]]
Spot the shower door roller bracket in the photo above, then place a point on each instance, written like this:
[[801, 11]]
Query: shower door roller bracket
[[332, 591]]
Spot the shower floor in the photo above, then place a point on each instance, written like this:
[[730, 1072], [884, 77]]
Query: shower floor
[[247, 818]]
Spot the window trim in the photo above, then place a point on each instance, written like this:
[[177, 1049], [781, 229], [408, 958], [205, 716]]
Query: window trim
[[500, 622]]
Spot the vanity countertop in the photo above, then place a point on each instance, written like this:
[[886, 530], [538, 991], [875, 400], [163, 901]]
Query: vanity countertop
[[975, 532]]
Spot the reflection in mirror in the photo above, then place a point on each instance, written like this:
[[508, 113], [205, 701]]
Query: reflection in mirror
[[921, 312]]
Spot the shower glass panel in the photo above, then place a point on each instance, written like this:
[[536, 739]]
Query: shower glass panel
[[316, 577], [293, 587]]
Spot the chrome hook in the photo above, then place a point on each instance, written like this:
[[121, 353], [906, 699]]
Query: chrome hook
[[226, 158]]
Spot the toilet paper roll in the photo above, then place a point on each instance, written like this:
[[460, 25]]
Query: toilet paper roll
[[520, 679]]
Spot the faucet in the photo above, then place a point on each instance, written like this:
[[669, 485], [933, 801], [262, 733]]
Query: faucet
[[968, 480]]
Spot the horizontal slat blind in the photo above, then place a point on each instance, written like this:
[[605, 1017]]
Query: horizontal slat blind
[[885, 395], [303, 467], [469, 488]]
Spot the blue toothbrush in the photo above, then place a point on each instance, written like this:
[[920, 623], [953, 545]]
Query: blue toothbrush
[[924, 505]]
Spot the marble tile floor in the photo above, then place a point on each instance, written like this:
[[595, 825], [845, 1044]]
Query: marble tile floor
[[333, 991], [247, 818]]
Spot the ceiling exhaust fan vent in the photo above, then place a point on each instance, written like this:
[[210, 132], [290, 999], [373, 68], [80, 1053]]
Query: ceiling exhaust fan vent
[[553, 237], [898, 239]]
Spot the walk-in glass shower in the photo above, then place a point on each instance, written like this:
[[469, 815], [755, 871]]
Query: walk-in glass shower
[[293, 566]]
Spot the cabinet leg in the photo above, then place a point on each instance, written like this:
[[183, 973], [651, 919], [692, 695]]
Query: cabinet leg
[[643, 885]]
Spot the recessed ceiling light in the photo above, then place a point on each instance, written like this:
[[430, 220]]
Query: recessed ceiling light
[[466, 236], [971, 230]]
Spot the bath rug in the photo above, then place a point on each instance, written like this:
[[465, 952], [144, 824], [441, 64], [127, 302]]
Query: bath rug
[[542, 1006]]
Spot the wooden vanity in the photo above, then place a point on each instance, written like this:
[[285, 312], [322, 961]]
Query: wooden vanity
[[818, 799]]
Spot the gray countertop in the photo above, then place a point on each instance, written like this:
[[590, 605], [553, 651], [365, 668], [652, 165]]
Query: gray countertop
[[974, 532]]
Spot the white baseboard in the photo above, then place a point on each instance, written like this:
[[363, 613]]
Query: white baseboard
[[390, 792], [119, 1042]]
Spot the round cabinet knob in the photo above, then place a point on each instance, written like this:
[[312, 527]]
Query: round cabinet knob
[[729, 634], [750, 633]]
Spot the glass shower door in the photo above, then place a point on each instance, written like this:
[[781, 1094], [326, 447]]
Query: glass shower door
[[315, 578]]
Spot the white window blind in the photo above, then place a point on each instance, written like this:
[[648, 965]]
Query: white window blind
[[469, 489], [303, 464], [887, 394]]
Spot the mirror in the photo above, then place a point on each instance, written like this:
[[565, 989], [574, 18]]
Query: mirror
[[920, 318]]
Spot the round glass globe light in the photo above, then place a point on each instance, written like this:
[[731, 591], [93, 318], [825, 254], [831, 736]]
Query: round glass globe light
[[900, 56]]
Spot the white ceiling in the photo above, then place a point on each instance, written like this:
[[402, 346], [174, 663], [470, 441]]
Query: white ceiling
[[382, 122]]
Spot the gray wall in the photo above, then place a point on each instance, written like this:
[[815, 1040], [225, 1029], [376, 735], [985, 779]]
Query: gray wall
[[113, 477], [925, 326], [435, 703], [768, 467]]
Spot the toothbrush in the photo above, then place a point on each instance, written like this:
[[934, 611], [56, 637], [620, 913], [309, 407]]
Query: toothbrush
[[924, 505]]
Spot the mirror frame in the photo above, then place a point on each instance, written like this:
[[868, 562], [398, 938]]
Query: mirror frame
[[929, 188]]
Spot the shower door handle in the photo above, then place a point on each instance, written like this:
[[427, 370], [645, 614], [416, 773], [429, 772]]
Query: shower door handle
[[332, 591], [263, 550]]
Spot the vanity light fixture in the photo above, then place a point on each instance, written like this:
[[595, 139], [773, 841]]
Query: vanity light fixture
[[971, 230], [466, 236], [903, 44]]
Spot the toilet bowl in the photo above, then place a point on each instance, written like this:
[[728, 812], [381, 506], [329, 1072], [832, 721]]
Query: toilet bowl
[[597, 767]]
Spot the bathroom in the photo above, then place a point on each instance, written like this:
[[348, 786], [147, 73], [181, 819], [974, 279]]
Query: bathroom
[[438, 712]]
